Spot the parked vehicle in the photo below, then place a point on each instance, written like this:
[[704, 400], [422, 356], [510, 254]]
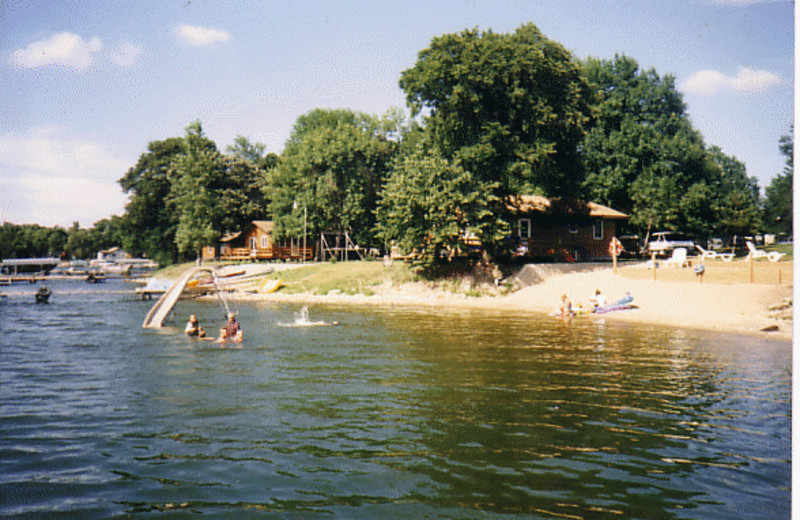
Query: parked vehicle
[[664, 242], [631, 246]]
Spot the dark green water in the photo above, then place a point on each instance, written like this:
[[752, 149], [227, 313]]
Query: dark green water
[[393, 414]]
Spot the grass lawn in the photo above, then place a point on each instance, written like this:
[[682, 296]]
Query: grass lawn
[[347, 277]]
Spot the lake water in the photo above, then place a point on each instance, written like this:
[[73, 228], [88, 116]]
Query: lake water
[[394, 413]]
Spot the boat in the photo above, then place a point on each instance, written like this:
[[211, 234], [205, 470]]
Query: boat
[[270, 286], [154, 286], [95, 278]]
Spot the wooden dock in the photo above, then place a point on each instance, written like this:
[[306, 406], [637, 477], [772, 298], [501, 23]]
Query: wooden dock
[[31, 278]]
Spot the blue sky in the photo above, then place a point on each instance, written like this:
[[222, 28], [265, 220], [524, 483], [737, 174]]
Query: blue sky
[[86, 85]]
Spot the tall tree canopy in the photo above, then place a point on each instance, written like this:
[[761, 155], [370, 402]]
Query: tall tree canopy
[[211, 193], [779, 203], [149, 223], [511, 108], [503, 115], [184, 194], [643, 157], [332, 167], [425, 205]]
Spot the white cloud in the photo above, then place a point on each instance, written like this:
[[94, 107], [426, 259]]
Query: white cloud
[[48, 151], [711, 82], [63, 48], [200, 36], [125, 54], [52, 179]]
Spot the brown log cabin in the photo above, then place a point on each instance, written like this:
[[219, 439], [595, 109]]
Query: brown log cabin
[[255, 242], [560, 229]]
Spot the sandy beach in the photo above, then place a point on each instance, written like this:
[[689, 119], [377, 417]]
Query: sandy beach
[[676, 298]]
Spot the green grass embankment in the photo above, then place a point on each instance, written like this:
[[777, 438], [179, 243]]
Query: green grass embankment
[[347, 277], [321, 278]]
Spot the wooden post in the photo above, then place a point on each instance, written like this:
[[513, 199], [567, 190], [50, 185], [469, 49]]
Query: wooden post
[[614, 258], [751, 268], [653, 264], [779, 276]]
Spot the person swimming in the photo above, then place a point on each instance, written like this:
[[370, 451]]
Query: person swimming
[[43, 295]]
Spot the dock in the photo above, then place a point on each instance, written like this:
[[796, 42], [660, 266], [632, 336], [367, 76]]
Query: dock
[[31, 278]]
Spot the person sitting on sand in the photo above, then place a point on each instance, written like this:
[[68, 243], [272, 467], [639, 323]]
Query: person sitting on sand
[[599, 299], [566, 307], [193, 328], [231, 331]]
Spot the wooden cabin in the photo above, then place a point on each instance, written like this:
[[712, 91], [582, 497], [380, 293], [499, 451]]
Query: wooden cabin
[[255, 242], [561, 229]]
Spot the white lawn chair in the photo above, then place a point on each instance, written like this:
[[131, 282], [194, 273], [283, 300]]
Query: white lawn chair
[[678, 258], [708, 255], [772, 256]]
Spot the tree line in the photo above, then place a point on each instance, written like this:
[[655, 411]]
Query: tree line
[[491, 115]]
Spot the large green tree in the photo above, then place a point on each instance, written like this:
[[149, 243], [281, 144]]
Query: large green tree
[[734, 198], [211, 193], [503, 115], [643, 157], [426, 206], [779, 203], [511, 108], [149, 226], [332, 168]]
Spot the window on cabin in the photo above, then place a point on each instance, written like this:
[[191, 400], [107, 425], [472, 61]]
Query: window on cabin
[[573, 228], [264, 242], [524, 228], [598, 230]]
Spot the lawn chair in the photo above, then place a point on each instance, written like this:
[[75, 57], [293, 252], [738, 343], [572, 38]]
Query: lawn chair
[[706, 254], [678, 258], [772, 256]]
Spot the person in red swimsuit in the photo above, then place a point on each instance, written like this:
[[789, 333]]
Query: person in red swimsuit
[[231, 331]]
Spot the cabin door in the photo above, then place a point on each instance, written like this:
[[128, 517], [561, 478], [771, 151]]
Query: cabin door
[[252, 244]]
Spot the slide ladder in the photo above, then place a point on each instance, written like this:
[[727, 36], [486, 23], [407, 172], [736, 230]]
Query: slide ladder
[[164, 305]]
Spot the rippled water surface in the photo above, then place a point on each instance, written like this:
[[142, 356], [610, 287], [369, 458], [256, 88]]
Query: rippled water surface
[[394, 413]]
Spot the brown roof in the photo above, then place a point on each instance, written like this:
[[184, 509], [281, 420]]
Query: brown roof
[[264, 225], [531, 203]]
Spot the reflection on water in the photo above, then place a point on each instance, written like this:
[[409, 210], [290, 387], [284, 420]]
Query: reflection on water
[[392, 414]]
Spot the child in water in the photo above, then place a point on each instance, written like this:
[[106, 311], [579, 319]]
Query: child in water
[[566, 307], [231, 331], [193, 328]]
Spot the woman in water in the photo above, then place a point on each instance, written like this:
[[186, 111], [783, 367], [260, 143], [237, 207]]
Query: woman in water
[[231, 331]]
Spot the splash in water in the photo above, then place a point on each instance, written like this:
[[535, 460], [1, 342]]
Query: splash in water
[[302, 320]]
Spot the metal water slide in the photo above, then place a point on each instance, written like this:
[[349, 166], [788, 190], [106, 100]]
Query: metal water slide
[[155, 318]]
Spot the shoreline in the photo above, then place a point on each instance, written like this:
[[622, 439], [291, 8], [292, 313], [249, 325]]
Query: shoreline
[[743, 309]]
